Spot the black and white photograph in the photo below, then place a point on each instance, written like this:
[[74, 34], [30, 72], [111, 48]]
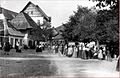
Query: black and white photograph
[[59, 39]]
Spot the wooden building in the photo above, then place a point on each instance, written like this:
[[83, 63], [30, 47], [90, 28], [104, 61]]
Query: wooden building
[[25, 26], [7, 30], [37, 14]]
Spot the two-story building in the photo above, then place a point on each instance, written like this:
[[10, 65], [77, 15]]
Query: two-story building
[[38, 15], [7, 30], [25, 27]]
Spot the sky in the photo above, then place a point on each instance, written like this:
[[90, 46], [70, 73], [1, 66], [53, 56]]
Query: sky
[[58, 10]]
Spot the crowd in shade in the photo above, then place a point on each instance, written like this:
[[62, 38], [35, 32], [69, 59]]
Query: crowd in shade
[[85, 51], [89, 50]]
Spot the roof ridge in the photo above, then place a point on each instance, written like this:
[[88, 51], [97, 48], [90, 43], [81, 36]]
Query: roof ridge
[[41, 10], [27, 5], [7, 9]]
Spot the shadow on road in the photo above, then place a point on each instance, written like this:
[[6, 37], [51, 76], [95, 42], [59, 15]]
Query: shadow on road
[[26, 68]]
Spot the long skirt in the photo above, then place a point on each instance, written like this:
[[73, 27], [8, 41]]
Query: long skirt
[[100, 55], [38, 49], [84, 54], [18, 49], [80, 53], [109, 58], [74, 54]]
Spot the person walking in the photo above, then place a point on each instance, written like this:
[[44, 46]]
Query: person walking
[[53, 49], [75, 52], [100, 54], [108, 56], [39, 48], [70, 51], [104, 53], [80, 52], [6, 48], [65, 50], [18, 47], [60, 50]]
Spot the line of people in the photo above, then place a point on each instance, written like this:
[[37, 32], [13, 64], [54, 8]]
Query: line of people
[[83, 50], [19, 48]]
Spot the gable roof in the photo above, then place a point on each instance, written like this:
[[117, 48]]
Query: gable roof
[[23, 21], [43, 13], [11, 30], [7, 13], [37, 7]]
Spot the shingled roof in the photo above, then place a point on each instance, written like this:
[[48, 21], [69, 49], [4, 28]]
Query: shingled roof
[[23, 21], [11, 30], [7, 13]]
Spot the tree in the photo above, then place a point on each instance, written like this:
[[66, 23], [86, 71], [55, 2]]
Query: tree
[[81, 25], [36, 34], [107, 24]]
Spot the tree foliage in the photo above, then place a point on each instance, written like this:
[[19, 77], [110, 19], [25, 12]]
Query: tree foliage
[[107, 20], [87, 24], [81, 25]]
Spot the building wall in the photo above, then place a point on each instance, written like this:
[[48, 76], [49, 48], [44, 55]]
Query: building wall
[[13, 40], [38, 20], [36, 15]]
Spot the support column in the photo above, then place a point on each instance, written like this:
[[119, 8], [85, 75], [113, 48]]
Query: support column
[[13, 42]]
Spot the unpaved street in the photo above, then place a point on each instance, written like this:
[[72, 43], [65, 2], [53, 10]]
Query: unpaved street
[[29, 64]]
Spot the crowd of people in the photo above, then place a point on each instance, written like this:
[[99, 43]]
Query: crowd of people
[[91, 50], [6, 47]]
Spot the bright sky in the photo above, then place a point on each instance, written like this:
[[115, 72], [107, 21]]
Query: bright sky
[[59, 10]]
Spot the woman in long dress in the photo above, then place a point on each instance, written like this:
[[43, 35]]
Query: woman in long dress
[[70, 51], [6, 48], [100, 54], [75, 52], [84, 52], [108, 56], [80, 53]]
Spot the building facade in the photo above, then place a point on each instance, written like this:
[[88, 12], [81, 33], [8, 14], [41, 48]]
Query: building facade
[[24, 27], [37, 14], [7, 31]]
